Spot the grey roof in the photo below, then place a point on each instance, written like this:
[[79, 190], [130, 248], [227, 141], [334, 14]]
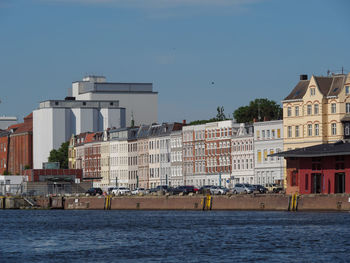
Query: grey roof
[[328, 86], [332, 149], [299, 91]]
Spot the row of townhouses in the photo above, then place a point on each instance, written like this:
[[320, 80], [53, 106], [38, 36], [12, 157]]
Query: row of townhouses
[[217, 153]]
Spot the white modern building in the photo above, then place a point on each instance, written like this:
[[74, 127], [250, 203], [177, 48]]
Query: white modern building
[[268, 139], [139, 99], [5, 122], [243, 155], [56, 120]]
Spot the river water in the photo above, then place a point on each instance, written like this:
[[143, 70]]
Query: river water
[[173, 236]]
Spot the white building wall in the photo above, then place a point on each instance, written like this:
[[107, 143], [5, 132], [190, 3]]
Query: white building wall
[[52, 126], [143, 106], [268, 139]]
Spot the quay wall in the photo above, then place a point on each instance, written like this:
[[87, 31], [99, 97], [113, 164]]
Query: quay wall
[[268, 202]]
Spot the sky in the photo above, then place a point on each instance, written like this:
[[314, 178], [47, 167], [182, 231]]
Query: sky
[[199, 54]]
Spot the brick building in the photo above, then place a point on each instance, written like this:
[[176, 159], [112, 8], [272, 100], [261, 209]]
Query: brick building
[[21, 146], [4, 145]]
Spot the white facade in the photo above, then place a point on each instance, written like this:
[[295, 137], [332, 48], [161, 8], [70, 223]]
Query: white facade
[[154, 162], [5, 122], [176, 177], [243, 155], [139, 99], [268, 139], [55, 121], [164, 158]]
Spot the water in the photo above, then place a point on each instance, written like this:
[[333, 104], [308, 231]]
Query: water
[[173, 236]]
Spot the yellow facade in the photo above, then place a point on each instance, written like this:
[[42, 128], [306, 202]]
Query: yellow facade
[[71, 153], [313, 116]]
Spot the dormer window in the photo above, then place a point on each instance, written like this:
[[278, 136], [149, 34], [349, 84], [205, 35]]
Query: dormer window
[[312, 92]]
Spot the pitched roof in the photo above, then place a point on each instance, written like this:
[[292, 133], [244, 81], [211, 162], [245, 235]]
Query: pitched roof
[[332, 149], [328, 86], [299, 91]]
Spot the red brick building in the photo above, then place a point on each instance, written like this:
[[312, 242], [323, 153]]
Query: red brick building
[[319, 169], [4, 145], [20, 155]]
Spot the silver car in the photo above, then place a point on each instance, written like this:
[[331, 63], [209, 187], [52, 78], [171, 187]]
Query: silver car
[[243, 188], [120, 191]]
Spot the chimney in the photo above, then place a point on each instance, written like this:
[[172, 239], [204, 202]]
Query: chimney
[[303, 77], [183, 122]]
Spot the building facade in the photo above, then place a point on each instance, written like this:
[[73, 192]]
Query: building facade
[[317, 111], [176, 175], [139, 99], [268, 139], [55, 121], [243, 155]]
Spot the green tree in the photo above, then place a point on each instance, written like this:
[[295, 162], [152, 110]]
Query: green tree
[[259, 109], [60, 155]]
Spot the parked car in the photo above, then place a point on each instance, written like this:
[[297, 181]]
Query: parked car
[[138, 191], [185, 189], [260, 188], [274, 188], [94, 191], [243, 188], [204, 189], [218, 190], [120, 191], [163, 188]]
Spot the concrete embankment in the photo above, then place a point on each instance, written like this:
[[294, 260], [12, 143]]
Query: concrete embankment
[[268, 202]]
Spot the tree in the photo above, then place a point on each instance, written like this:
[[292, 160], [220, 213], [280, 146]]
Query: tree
[[259, 109], [60, 155]]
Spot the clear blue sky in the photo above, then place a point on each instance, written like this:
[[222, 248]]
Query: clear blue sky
[[248, 48]]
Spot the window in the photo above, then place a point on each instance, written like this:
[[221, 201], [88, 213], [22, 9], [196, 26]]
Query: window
[[309, 109], [259, 156], [258, 134], [347, 129], [296, 131], [334, 129], [296, 110], [263, 134], [312, 92], [289, 131], [265, 155], [347, 90], [268, 133], [317, 129], [309, 129], [278, 133], [333, 108], [306, 181], [273, 134], [289, 111], [316, 109], [347, 107]]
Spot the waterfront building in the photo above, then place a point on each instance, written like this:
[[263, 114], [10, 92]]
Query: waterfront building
[[176, 175], [317, 111], [268, 139], [194, 154], [139, 99], [55, 121], [105, 161], [243, 155], [133, 178], [119, 157], [143, 156], [92, 158], [4, 147], [72, 153], [318, 169], [218, 137], [20, 155]]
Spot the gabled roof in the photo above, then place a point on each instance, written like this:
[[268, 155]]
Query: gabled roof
[[332, 149], [328, 86], [299, 91]]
